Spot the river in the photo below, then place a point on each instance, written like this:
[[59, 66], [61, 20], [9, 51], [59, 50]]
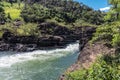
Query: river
[[37, 65]]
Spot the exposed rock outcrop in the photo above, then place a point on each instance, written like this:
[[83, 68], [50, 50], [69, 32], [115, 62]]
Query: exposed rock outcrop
[[53, 36], [89, 54]]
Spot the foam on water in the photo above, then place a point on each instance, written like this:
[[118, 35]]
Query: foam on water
[[8, 60]]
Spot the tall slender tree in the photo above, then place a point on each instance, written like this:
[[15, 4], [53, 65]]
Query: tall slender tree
[[2, 15], [115, 7]]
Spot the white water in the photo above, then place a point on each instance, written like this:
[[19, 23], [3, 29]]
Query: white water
[[37, 65], [9, 60]]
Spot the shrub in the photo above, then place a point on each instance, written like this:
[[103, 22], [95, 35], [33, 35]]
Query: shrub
[[28, 29], [106, 68], [109, 32], [13, 11]]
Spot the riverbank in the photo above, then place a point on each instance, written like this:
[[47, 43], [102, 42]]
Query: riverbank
[[38, 64], [93, 58], [100, 57], [89, 54], [59, 38], [97, 61]]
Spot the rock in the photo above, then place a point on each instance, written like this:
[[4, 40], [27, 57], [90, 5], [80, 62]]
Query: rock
[[55, 36], [17, 23], [89, 54], [7, 34], [62, 31], [4, 47], [54, 29], [50, 41]]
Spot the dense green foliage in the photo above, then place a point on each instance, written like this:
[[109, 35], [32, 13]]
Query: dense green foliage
[[66, 13], [110, 33], [12, 12], [105, 68], [62, 11], [2, 14], [35, 13], [114, 13], [29, 29]]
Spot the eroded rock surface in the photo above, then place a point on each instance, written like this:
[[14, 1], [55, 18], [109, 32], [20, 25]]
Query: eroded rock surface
[[57, 37]]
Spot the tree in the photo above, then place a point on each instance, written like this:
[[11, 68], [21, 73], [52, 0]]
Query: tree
[[115, 9], [35, 13], [11, 2], [2, 15]]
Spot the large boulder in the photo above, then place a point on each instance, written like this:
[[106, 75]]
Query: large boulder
[[58, 30], [54, 29], [7, 34], [50, 41]]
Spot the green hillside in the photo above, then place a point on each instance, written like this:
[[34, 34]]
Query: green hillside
[[22, 18], [107, 67]]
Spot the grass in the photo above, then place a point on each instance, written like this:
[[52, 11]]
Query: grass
[[13, 10]]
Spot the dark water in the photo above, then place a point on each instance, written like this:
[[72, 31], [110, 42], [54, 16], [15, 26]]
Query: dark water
[[37, 65]]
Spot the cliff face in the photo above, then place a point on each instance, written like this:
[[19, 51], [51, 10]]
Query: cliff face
[[53, 36], [89, 54], [90, 51]]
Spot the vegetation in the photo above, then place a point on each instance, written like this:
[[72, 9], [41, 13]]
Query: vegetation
[[29, 29], [110, 32], [61, 11], [68, 13], [113, 14], [35, 13], [105, 68], [2, 14], [12, 12]]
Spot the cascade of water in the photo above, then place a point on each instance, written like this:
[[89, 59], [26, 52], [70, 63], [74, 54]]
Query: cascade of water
[[8, 60]]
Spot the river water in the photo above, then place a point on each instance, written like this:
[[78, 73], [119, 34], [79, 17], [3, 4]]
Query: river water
[[37, 65]]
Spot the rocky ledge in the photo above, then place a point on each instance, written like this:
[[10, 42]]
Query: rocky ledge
[[89, 54], [57, 37]]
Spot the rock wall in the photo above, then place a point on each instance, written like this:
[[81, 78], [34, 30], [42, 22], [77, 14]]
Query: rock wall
[[57, 37], [89, 54]]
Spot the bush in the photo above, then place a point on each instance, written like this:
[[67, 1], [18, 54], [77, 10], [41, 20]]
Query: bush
[[13, 11], [106, 68], [109, 32], [28, 29]]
